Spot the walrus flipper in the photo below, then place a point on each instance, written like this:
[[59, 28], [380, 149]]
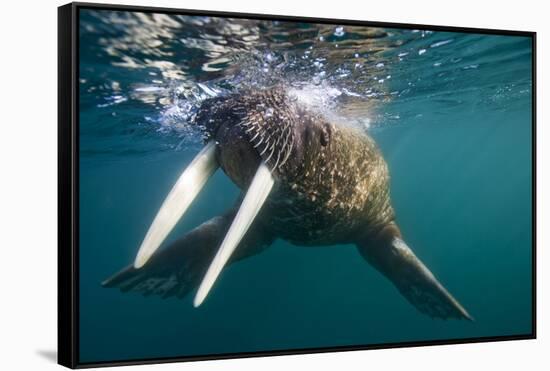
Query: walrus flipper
[[178, 268], [390, 255]]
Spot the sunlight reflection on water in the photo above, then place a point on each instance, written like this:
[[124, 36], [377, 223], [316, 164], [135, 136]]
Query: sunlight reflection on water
[[168, 64]]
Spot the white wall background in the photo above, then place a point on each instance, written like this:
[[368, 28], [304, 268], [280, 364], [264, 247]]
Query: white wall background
[[28, 182]]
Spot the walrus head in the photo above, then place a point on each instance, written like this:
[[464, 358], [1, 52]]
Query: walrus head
[[256, 137], [261, 126]]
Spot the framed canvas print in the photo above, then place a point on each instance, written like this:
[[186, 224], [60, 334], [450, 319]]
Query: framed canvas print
[[235, 185]]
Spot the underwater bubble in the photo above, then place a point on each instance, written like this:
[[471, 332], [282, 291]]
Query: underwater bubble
[[339, 31]]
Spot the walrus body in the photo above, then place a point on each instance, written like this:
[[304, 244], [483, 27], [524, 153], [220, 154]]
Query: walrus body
[[332, 181], [330, 186]]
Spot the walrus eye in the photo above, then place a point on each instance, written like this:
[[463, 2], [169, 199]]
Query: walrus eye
[[325, 135], [324, 138], [189, 184]]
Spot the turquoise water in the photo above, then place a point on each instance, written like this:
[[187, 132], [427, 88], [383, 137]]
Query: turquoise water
[[451, 113]]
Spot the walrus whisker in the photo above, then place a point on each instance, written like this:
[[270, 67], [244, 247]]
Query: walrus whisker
[[260, 142], [255, 136], [267, 146], [189, 184], [276, 162], [271, 154], [287, 155], [252, 203]]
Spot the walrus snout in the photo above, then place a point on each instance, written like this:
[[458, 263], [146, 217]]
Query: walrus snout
[[252, 126], [236, 156]]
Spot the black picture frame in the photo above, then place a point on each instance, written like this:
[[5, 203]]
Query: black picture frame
[[68, 183]]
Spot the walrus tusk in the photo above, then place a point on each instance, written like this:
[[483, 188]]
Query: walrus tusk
[[255, 197], [189, 184]]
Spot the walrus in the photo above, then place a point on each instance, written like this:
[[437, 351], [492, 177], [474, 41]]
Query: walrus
[[306, 179]]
